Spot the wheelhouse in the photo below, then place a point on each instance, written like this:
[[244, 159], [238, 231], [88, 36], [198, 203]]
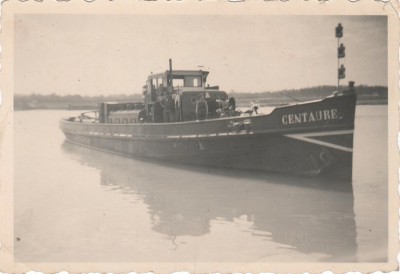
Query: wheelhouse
[[182, 95], [171, 96]]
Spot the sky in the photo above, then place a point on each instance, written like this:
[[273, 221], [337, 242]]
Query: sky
[[95, 55]]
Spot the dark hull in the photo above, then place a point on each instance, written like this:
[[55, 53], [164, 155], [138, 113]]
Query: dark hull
[[274, 143]]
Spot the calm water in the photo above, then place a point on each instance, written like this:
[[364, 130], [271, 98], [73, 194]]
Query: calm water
[[79, 205]]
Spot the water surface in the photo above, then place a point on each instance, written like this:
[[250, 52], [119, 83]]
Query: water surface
[[79, 205]]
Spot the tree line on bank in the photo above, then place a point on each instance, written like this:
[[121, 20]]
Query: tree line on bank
[[318, 92], [375, 94]]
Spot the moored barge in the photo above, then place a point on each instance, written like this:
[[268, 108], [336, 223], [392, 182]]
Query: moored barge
[[184, 120]]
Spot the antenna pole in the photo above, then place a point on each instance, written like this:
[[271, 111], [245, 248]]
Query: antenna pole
[[340, 54], [170, 74], [338, 66]]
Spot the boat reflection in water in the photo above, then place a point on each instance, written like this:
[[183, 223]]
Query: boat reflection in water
[[302, 214]]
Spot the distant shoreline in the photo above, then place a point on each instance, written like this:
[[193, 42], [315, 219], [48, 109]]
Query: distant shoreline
[[366, 95], [242, 103]]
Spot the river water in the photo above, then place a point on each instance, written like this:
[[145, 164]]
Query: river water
[[74, 204]]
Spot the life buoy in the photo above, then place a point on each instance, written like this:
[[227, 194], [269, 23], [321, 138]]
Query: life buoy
[[325, 157]]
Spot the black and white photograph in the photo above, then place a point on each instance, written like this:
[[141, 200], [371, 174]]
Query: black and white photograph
[[161, 140]]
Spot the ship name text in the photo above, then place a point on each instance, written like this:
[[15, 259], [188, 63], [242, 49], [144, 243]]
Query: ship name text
[[310, 117]]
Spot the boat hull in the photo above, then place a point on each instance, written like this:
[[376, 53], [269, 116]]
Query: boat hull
[[284, 141]]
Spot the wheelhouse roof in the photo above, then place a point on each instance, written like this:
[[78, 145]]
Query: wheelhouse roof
[[181, 73], [212, 93]]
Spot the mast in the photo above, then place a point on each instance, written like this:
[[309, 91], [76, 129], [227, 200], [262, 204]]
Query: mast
[[169, 82], [341, 54]]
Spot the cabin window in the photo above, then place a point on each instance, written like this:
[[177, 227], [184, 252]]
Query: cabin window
[[192, 81], [197, 82], [178, 82], [154, 83], [132, 121], [117, 121], [125, 120], [187, 81], [159, 82]]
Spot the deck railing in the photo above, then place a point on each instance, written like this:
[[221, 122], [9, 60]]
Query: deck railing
[[148, 130]]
